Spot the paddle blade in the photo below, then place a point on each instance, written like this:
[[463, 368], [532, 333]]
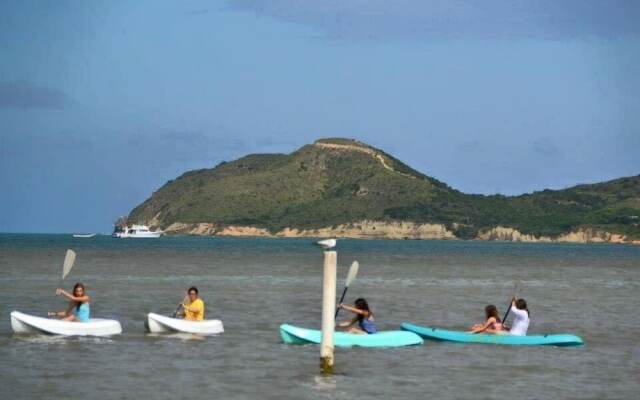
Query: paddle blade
[[516, 287], [353, 271], [69, 259]]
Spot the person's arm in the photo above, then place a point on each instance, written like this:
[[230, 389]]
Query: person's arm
[[60, 314], [345, 324], [520, 313], [353, 310], [81, 299], [484, 326]]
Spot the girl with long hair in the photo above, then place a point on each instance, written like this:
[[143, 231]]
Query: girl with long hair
[[363, 318], [78, 309], [492, 323]]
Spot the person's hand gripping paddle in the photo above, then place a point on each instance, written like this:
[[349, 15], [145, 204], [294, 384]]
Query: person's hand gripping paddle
[[353, 271], [181, 305]]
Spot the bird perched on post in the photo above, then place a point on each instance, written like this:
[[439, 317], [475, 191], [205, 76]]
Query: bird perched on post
[[327, 243]]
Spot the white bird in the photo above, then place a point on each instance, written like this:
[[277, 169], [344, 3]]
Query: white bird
[[327, 243]]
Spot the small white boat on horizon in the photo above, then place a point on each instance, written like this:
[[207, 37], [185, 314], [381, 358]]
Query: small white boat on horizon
[[83, 235], [135, 231]]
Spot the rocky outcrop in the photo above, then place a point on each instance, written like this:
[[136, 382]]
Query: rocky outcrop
[[585, 235], [207, 229], [362, 149], [509, 235], [396, 230], [358, 230], [375, 230]]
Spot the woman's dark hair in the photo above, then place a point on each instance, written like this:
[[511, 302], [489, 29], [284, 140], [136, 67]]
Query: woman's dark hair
[[492, 311], [75, 287], [521, 304], [193, 288], [361, 304]]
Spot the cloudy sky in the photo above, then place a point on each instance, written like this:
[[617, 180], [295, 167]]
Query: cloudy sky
[[102, 102]]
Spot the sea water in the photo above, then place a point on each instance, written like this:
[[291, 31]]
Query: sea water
[[254, 285]]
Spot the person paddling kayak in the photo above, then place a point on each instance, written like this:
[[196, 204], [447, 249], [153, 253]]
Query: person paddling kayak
[[492, 324], [521, 320], [364, 318], [78, 309], [193, 310]]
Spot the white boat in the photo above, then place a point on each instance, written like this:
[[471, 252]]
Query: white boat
[[24, 323], [135, 231], [83, 235], [157, 323]]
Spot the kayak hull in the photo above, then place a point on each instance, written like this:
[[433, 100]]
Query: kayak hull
[[157, 323], [505, 339], [295, 335], [25, 323]]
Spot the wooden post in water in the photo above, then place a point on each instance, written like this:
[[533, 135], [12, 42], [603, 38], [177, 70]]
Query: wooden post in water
[[328, 311]]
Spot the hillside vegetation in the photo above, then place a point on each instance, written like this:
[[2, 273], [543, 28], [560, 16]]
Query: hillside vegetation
[[340, 181]]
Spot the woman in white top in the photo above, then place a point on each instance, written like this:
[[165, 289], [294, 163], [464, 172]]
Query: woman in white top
[[521, 319]]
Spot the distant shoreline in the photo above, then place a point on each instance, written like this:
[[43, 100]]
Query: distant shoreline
[[376, 238], [377, 230]]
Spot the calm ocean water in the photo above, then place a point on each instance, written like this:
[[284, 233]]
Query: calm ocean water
[[254, 285]]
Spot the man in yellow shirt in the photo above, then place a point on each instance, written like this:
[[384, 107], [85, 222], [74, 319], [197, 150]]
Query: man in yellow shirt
[[194, 308]]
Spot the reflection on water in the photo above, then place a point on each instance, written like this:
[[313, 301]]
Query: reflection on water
[[178, 336], [325, 383], [35, 338]]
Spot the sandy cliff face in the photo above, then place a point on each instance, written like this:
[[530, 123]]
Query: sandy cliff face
[[360, 230], [207, 229], [580, 236], [376, 230], [396, 230]]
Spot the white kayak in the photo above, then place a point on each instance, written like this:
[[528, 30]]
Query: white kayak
[[24, 323], [157, 323]]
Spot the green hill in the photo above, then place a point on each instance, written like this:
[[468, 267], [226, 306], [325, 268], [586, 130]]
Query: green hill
[[341, 181]]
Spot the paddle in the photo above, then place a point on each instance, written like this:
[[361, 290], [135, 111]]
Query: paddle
[[353, 271], [69, 260], [515, 292], [184, 300]]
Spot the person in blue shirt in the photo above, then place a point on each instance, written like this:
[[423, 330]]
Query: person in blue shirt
[[363, 318], [78, 309]]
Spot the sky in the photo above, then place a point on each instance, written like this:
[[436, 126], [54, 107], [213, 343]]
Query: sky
[[101, 103]]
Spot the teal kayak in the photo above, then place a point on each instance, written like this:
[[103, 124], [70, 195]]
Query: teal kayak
[[294, 335], [466, 337]]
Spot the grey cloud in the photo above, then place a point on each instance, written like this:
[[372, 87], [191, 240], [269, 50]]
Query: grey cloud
[[58, 141], [372, 19], [546, 147], [178, 147], [280, 140], [197, 12], [470, 147], [26, 95]]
